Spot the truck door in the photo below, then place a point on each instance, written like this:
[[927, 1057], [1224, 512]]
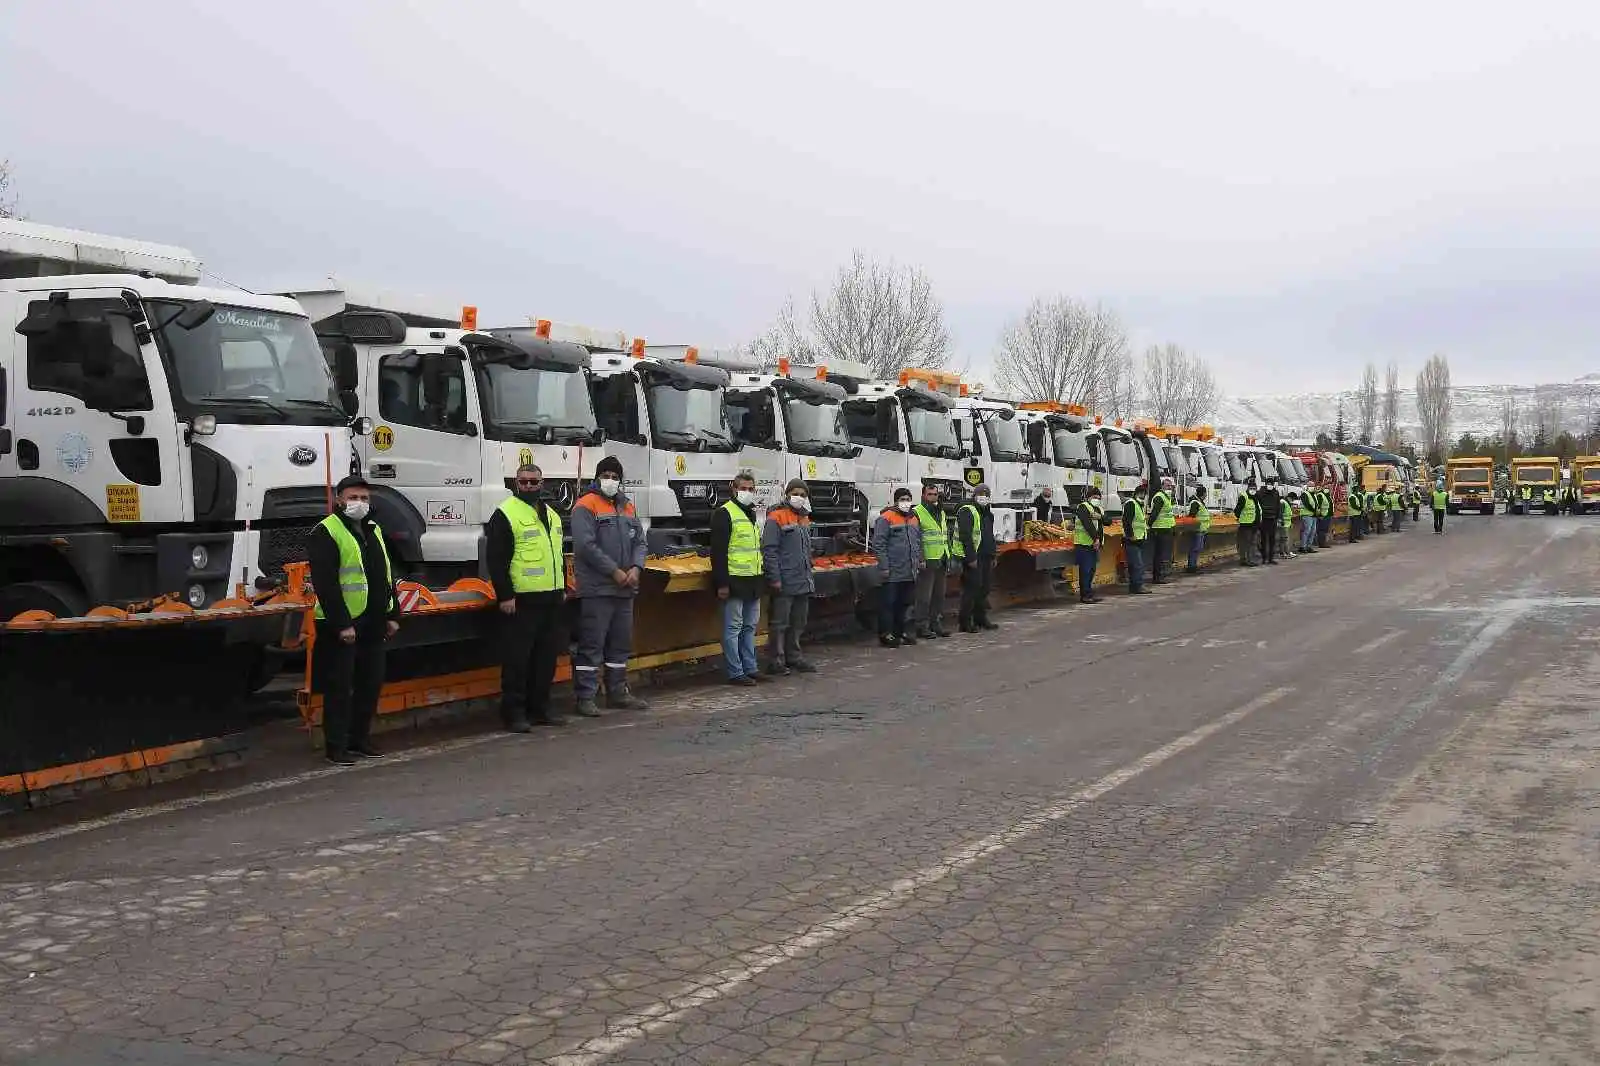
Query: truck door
[[90, 409], [619, 409], [426, 447]]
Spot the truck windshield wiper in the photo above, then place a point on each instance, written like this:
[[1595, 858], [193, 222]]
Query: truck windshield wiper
[[254, 401], [319, 403]]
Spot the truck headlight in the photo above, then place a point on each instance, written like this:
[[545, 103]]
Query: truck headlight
[[197, 596], [199, 557], [203, 425]]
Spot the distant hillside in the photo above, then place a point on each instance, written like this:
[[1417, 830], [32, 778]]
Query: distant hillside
[[1474, 409]]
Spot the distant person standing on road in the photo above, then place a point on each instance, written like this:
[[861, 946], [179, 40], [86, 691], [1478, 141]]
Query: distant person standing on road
[[736, 575], [1088, 537], [608, 548], [523, 550], [1441, 500], [1248, 512], [1202, 526], [897, 542], [1271, 504], [1353, 504], [786, 557], [1397, 508], [1135, 538], [975, 547], [935, 525], [1416, 503], [357, 611], [1163, 531]]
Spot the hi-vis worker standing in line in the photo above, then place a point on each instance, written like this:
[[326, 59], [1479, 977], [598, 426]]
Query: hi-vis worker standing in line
[[1163, 531], [975, 547], [1440, 499], [1135, 538], [1248, 512], [1088, 537], [357, 611], [608, 550], [1324, 500], [936, 564], [523, 549], [786, 562], [1202, 527], [736, 575], [1356, 502]]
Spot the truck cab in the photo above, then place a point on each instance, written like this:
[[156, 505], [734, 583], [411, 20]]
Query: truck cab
[[1208, 469], [1120, 464], [1534, 481], [1162, 458], [456, 411], [998, 456], [1059, 457], [1469, 485], [1586, 480], [907, 436], [156, 437], [794, 427]]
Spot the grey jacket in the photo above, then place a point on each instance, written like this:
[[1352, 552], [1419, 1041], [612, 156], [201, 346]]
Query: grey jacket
[[897, 542], [606, 536], [786, 551]]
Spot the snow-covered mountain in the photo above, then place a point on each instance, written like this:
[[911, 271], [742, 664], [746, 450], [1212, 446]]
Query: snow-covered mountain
[[1475, 409]]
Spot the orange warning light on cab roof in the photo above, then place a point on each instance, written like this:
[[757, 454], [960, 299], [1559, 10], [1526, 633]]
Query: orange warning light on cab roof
[[469, 318], [541, 328], [691, 354], [638, 348], [783, 365]]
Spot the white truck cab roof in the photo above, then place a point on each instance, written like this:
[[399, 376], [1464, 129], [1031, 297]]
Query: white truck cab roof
[[31, 250]]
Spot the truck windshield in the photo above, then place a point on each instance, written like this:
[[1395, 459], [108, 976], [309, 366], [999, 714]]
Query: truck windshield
[[931, 432], [1005, 439], [248, 365], [1211, 462], [1480, 476], [688, 416], [1590, 473], [1158, 458], [1291, 470], [816, 427], [1121, 456], [1535, 474], [1240, 469], [538, 399], [1072, 449], [1180, 462]]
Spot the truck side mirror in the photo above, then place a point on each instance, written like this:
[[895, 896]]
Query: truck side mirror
[[350, 400], [346, 372], [1036, 439], [885, 428], [435, 376], [5, 434]]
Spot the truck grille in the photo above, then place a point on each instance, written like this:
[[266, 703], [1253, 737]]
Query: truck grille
[[288, 515], [281, 545]]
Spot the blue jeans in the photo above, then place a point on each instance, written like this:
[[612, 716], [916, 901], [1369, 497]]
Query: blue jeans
[[1308, 534], [1196, 546], [1135, 550], [1087, 557], [739, 621]]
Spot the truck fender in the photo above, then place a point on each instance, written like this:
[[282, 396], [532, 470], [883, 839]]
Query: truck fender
[[402, 524]]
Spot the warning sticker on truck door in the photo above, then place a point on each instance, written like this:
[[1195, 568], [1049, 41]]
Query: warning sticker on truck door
[[122, 503]]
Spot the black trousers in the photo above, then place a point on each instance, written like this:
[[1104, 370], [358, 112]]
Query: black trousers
[[976, 577], [894, 607], [1269, 537], [530, 642], [349, 676], [1438, 521], [1161, 562]]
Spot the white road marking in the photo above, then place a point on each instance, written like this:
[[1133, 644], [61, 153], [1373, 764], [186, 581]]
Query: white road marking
[[628, 1030], [1375, 644]]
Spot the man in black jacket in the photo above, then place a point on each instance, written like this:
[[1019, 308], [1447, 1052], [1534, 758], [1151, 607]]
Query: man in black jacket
[[975, 548], [530, 586], [1271, 504], [357, 611]]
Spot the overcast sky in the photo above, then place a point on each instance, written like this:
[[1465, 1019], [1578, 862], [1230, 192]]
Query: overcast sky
[[1286, 189]]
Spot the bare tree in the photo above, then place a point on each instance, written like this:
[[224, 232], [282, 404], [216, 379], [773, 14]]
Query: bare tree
[[783, 339], [1179, 388], [883, 315], [1549, 411], [1391, 407], [1433, 407], [1061, 349], [1120, 396], [1367, 405], [1509, 420], [8, 204]]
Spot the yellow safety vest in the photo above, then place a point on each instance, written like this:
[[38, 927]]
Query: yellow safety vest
[[536, 562], [935, 541], [1247, 513], [1080, 532], [352, 571], [1166, 520], [1135, 523], [1202, 517], [744, 545]]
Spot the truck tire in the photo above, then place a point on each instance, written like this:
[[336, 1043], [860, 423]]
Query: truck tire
[[57, 597]]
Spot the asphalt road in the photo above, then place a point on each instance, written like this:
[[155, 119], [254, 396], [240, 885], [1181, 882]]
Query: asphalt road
[[1339, 810]]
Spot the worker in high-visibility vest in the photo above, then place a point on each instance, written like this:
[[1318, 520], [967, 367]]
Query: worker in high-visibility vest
[[1163, 531], [1201, 513], [1441, 499], [522, 546], [736, 575], [1355, 502], [930, 593], [1136, 537], [1248, 512], [1088, 537], [356, 612]]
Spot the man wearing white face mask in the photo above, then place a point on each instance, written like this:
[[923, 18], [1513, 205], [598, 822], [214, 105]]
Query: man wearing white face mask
[[786, 554], [608, 549], [736, 575], [356, 611]]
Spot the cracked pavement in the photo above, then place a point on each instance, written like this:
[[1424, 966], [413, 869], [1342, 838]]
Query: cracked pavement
[[1339, 811]]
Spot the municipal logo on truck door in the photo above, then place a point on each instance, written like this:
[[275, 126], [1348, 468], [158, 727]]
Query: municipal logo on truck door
[[974, 475], [680, 465], [383, 438]]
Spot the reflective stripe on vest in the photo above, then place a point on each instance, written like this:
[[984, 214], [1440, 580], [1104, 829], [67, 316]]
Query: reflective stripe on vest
[[536, 563], [1247, 513], [1167, 520], [1080, 532], [352, 571], [958, 549], [935, 541], [1135, 520], [744, 546]]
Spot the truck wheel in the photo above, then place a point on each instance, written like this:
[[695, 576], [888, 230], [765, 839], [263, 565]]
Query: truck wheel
[[57, 597]]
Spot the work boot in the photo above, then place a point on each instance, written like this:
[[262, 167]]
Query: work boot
[[888, 640], [741, 680], [777, 668], [518, 723], [586, 709], [1089, 599], [907, 640], [803, 666], [927, 634], [988, 625], [341, 758], [365, 751], [624, 700]]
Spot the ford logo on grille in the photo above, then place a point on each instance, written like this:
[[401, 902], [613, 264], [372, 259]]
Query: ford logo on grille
[[302, 455]]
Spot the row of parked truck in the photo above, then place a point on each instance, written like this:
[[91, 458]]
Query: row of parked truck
[[158, 436]]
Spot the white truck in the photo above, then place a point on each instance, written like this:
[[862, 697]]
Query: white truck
[[1059, 460], [457, 411], [997, 455], [156, 437], [1118, 465], [907, 437], [1207, 470], [791, 425]]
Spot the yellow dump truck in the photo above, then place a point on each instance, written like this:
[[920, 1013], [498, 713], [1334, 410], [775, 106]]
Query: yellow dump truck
[[1534, 482], [1469, 485], [1586, 480]]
